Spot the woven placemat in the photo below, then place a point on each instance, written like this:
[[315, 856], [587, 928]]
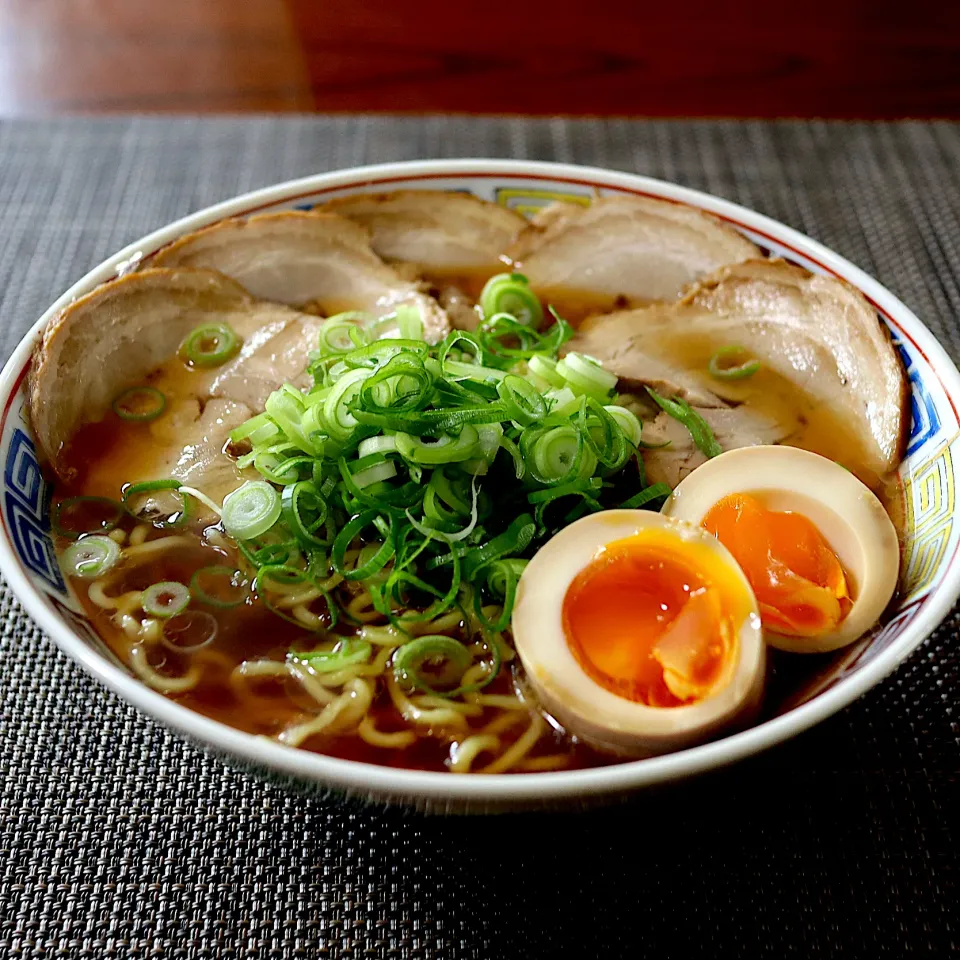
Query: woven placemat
[[119, 840]]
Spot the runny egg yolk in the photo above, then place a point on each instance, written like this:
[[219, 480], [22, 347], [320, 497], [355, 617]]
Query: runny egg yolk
[[800, 585], [655, 619]]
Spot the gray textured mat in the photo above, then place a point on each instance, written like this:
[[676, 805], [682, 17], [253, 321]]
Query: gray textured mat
[[117, 840]]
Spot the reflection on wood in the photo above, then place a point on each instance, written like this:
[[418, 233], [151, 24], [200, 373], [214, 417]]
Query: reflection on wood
[[826, 58]]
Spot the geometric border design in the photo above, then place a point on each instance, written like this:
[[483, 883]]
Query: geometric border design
[[924, 419], [26, 508], [930, 498]]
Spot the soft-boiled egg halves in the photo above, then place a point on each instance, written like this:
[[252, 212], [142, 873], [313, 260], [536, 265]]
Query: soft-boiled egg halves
[[816, 545], [638, 632], [644, 632]]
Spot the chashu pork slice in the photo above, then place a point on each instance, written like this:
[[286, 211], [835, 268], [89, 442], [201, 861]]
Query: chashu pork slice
[[189, 447], [123, 332], [732, 427], [829, 371], [623, 249], [440, 231], [318, 261]]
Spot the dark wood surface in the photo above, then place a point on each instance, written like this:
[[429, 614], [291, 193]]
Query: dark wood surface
[[835, 58]]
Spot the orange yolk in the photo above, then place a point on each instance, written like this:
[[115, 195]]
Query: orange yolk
[[650, 625], [801, 587]]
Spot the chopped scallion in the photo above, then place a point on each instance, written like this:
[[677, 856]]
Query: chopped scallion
[[251, 510], [165, 599], [139, 404], [91, 557], [210, 345], [510, 293], [732, 363]]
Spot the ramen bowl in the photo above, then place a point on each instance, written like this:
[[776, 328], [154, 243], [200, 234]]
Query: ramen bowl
[[928, 478]]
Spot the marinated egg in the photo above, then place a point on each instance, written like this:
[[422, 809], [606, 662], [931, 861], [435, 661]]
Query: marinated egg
[[638, 632], [816, 545]]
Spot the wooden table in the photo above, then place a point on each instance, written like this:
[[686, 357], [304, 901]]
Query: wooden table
[[837, 58]]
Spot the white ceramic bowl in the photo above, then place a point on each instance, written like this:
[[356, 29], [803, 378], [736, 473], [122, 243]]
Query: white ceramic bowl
[[930, 581]]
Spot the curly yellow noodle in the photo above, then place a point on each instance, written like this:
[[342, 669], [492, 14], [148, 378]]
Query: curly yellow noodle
[[139, 534], [517, 751], [383, 636], [287, 598], [310, 683], [428, 702], [241, 675], [463, 753], [334, 580], [441, 624], [117, 535], [309, 619], [441, 717], [97, 594], [477, 673], [151, 630], [261, 668], [377, 738], [346, 711], [506, 720], [141, 667], [374, 668], [361, 608]]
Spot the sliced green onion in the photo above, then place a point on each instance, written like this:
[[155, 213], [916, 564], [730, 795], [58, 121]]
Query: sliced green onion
[[584, 375], [386, 470], [139, 404], [554, 456], [258, 429], [724, 364], [523, 401], [447, 658], [165, 599], [409, 324], [345, 332], [443, 534], [190, 631], [445, 449], [346, 653], [377, 445], [76, 516], [510, 293], [501, 578], [682, 412], [345, 538], [514, 540], [546, 370], [218, 586], [91, 557], [628, 423], [177, 517], [279, 578], [339, 419], [148, 486], [251, 510], [210, 345], [306, 514], [656, 491]]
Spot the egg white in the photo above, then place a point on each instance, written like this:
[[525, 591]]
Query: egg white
[[848, 515], [584, 707]]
